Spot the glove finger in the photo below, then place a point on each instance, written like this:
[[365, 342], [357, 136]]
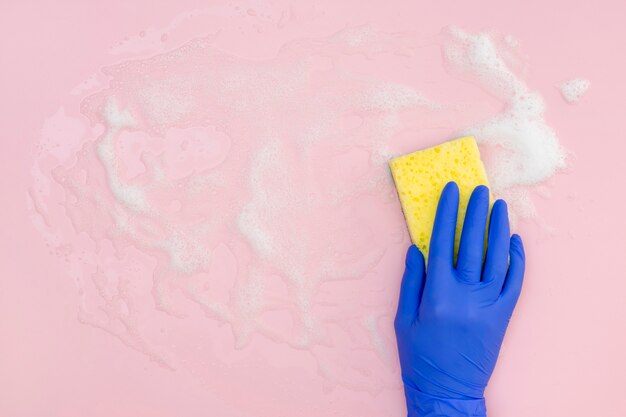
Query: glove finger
[[442, 240], [515, 276], [412, 286], [497, 259], [470, 261]]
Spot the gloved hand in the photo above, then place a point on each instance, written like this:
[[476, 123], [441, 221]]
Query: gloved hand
[[451, 320]]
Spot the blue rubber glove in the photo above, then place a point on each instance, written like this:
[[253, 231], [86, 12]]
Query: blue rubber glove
[[451, 319]]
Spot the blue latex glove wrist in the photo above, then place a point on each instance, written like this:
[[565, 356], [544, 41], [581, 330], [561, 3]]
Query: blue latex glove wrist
[[451, 319], [420, 404]]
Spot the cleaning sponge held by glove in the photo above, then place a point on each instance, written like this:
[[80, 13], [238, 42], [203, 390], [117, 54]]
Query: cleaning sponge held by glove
[[420, 177]]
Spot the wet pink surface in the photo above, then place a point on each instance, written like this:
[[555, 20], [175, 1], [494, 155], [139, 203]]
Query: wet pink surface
[[96, 320]]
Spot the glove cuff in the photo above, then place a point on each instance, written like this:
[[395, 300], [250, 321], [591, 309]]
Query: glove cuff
[[420, 404]]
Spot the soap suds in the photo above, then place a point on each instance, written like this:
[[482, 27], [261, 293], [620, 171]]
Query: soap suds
[[394, 98], [261, 193], [522, 150], [257, 193], [573, 90], [130, 195]]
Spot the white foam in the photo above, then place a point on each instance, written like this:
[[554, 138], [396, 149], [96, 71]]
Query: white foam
[[573, 90], [378, 341], [523, 149], [261, 239], [166, 102], [249, 221], [186, 254], [391, 97], [250, 296], [115, 117], [130, 195]]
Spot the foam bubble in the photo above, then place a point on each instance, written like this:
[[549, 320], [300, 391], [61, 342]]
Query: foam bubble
[[573, 90]]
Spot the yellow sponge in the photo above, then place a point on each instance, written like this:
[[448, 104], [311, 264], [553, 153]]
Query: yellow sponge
[[420, 176]]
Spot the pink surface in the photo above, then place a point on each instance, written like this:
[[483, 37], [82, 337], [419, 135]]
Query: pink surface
[[97, 321]]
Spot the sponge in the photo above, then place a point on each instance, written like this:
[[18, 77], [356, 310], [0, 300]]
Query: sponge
[[420, 176]]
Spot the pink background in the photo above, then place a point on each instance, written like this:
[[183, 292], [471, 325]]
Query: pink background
[[564, 352]]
